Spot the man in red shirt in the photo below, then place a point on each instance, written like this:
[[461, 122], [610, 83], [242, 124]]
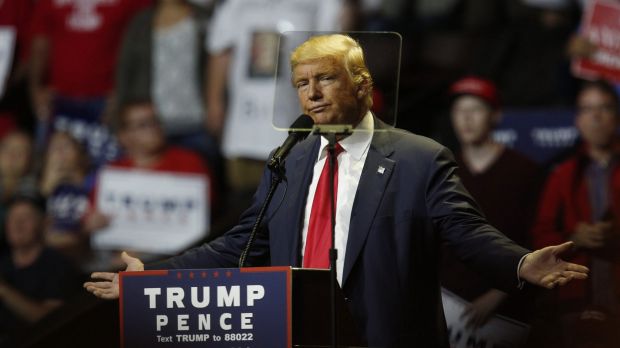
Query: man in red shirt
[[581, 203], [74, 52], [144, 144]]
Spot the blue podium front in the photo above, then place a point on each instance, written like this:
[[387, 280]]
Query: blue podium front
[[247, 307]]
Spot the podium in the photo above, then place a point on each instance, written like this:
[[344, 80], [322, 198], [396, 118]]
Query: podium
[[231, 307]]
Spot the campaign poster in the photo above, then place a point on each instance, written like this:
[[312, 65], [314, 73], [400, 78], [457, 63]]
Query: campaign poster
[[499, 331], [152, 212], [543, 135], [7, 47], [601, 26]]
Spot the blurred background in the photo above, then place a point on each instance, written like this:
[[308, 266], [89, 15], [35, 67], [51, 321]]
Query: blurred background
[[144, 125]]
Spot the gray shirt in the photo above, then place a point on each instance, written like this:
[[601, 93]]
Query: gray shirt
[[175, 91]]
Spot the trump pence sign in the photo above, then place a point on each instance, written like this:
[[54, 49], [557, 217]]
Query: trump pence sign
[[247, 307]]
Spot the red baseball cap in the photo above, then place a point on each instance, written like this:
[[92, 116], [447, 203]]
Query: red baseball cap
[[478, 87]]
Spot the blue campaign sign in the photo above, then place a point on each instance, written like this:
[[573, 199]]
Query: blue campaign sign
[[248, 307], [540, 134]]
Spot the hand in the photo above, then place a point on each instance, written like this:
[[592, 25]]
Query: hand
[[108, 288], [590, 314], [580, 47], [592, 236], [53, 174], [545, 268], [96, 221], [481, 309]]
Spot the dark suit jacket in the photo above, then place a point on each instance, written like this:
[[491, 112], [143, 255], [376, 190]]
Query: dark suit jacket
[[398, 221]]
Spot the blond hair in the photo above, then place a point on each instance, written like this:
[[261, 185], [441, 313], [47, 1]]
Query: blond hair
[[344, 49]]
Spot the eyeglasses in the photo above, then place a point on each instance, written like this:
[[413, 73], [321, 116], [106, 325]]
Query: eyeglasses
[[142, 125], [608, 108]]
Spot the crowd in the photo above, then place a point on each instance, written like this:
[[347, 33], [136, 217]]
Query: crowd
[[185, 87]]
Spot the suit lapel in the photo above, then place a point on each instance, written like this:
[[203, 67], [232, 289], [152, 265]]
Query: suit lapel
[[298, 181], [373, 181]]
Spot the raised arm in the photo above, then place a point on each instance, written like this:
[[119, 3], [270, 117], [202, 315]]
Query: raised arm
[[40, 93]]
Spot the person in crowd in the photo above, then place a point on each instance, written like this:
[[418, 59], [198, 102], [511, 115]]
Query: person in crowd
[[15, 171], [584, 45], [174, 82], [397, 197], [66, 185], [71, 76], [525, 54], [142, 138], [581, 203], [16, 158], [34, 279], [15, 18], [243, 48], [141, 135], [485, 167]]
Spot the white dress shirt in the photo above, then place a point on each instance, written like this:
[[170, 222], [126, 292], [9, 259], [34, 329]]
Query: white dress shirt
[[350, 165]]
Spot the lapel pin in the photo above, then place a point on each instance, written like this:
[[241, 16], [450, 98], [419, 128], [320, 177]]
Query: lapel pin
[[381, 170]]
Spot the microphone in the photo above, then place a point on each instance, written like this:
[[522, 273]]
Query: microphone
[[299, 131]]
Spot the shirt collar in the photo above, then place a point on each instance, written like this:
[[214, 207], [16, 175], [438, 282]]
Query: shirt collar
[[357, 143]]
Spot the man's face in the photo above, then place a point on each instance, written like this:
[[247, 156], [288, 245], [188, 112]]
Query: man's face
[[472, 120], [23, 225], [142, 133], [15, 155], [326, 92], [596, 117]]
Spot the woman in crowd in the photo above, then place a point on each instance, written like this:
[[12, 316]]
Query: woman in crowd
[[64, 183]]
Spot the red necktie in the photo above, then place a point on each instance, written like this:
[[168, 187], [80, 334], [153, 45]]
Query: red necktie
[[319, 239]]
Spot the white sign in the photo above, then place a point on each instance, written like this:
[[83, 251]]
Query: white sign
[[7, 46], [499, 331], [155, 212]]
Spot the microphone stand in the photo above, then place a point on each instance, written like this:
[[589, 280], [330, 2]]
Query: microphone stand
[[331, 132], [277, 171], [276, 165]]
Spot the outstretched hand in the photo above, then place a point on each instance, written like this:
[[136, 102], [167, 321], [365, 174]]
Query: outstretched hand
[[107, 287], [545, 268]]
